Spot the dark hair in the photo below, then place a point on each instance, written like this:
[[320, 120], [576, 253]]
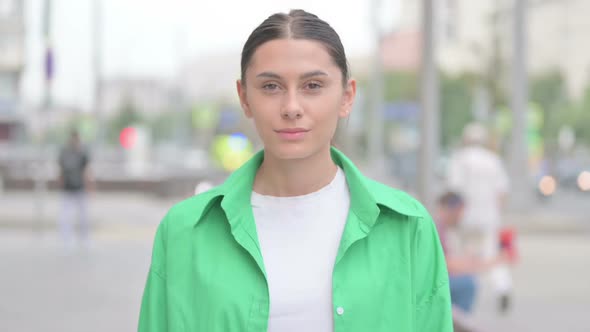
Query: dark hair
[[451, 200], [298, 24]]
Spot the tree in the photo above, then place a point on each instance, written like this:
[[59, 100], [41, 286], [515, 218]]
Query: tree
[[581, 119], [547, 90], [456, 99]]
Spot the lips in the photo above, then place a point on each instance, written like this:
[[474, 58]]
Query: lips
[[292, 134], [292, 130]]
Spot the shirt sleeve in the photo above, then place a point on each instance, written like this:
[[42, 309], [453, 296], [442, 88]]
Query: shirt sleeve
[[431, 280], [153, 314]]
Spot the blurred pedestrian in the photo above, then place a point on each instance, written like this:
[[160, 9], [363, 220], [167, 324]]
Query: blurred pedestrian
[[478, 175], [297, 239], [74, 181], [463, 268]]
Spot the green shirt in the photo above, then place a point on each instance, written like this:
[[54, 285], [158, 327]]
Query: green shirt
[[207, 272]]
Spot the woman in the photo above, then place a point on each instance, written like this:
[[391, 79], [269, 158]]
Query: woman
[[297, 239]]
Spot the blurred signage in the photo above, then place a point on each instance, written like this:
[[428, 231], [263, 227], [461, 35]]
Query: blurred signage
[[401, 111]]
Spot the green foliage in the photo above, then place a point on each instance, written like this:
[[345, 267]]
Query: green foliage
[[401, 86], [581, 118], [548, 91], [455, 99], [165, 126]]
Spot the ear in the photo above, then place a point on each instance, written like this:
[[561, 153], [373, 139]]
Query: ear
[[348, 98], [243, 98]]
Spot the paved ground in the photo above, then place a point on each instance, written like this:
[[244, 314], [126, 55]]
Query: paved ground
[[552, 287], [45, 288], [566, 212]]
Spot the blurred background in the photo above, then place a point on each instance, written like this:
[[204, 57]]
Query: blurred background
[[150, 87]]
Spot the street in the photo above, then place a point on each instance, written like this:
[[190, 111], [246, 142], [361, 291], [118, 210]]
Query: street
[[45, 288], [552, 287], [115, 111]]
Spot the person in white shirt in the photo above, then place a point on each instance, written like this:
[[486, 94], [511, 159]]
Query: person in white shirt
[[477, 173]]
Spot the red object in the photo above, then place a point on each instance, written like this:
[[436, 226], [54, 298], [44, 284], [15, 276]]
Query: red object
[[128, 137], [508, 242]]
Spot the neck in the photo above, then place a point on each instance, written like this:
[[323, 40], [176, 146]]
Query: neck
[[284, 178]]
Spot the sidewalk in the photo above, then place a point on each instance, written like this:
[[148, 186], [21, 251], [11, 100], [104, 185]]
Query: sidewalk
[[25, 209], [131, 210]]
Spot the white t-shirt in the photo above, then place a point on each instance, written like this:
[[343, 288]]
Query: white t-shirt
[[299, 238], [478, 174]]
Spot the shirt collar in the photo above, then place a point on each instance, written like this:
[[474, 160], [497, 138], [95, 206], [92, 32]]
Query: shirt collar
[[367, 197]]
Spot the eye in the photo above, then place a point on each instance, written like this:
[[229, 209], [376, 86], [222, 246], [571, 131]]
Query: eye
[[270, 87], [313, 85]]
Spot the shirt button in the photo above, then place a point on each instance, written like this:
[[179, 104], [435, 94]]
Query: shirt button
[[340, 311]]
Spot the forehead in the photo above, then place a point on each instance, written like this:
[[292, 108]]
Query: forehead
[[295, 56]]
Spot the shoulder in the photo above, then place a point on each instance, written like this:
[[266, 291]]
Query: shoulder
[[188, 211], [396, 200]]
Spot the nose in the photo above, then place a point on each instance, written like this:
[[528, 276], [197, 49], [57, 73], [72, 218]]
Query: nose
[[292, 109]]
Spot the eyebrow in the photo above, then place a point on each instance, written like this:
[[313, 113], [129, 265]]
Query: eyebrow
[[268, 74]]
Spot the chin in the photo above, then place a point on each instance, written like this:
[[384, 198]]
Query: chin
[[292, 151]]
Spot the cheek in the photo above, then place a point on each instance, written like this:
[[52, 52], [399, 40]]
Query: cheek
[[262, 109], [328, 105], [326, 124], [264, 118], [330, 114]]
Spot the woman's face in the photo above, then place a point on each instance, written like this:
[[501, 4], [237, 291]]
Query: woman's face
[[294, 94]]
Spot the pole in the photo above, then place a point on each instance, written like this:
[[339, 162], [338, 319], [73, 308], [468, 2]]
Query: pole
[[96, 70], [40, 178], [49, 61], [519, 153], [430, 106], [376, 124]]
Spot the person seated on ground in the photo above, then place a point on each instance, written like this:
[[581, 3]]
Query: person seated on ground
[[462, 269]]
